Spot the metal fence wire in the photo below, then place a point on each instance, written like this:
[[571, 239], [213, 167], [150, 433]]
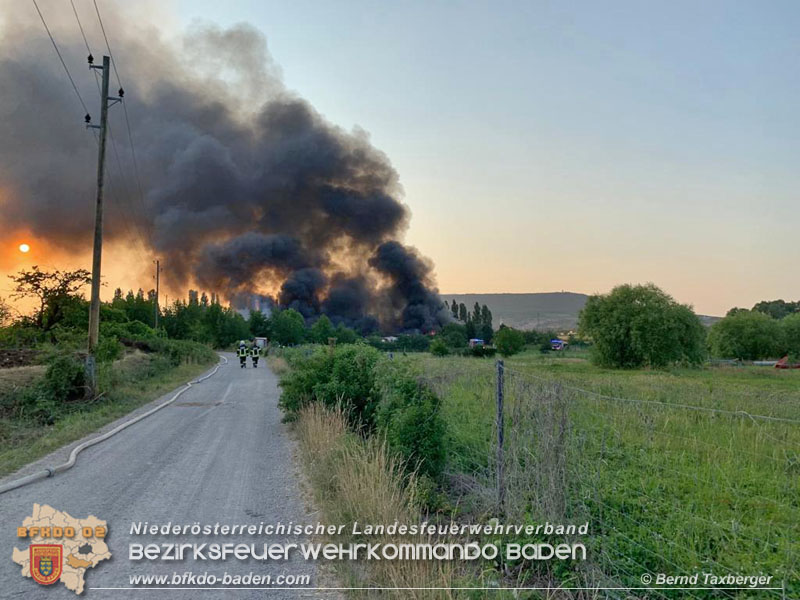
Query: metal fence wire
[[665, 487]]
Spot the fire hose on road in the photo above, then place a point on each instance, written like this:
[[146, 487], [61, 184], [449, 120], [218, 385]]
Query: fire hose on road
[[73, 456]]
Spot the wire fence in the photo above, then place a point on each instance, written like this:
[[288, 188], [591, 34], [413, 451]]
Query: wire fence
[[666, 487]]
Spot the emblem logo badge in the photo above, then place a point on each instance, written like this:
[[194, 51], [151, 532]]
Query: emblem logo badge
[[46, 562]]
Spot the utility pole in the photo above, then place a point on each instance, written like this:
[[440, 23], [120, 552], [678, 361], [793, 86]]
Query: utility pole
[[158, 281], [94, 307]]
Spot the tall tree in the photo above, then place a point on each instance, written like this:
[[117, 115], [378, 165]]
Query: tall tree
[[486, 316], [288, 327], [322, 330], [258, 323], [5, 312], [635, 326], [747, 335], [777, 309], [53, 290], [462, 313]]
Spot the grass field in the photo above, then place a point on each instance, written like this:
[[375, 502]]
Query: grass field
[[676, 471]]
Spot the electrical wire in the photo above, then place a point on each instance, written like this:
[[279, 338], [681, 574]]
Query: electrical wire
[[83, 34], [61, 58], [140, 197], [134, 230]]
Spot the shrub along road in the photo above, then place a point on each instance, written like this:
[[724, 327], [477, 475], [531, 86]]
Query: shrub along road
[[218, 454]]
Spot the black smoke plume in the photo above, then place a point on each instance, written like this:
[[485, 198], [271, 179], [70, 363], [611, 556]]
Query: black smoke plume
[[246, 189]]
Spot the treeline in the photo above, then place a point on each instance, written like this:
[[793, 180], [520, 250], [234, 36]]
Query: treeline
[[61, 316], [55, 334], [476, 324], [777, 309], [757, 334], [642, 326]]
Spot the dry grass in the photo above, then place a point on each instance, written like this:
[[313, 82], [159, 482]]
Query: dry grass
[[359, 480], [16, 377], [278, 365]]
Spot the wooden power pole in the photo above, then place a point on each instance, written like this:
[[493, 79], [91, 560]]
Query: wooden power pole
[[97, 254], [158, 282], [94, 307]]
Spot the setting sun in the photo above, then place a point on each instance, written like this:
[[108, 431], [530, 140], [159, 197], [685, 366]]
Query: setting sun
[[24, 248]]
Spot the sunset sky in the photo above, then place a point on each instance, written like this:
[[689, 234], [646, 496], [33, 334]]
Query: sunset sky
[[548, 146]]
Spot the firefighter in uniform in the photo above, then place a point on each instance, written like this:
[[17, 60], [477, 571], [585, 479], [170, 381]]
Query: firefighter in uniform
[[242, 354], [255, 354]]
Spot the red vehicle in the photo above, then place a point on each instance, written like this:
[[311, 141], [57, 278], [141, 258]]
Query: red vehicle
[[785, 364]]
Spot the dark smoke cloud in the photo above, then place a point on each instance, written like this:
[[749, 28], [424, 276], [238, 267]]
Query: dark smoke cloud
[[348, 302], [247, 188], [416, 305]]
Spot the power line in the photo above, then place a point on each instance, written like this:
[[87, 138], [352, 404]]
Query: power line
[[139, 237], [83, 34], [140, 197], [61, 58], [108, 47], [125, 217], [72, 81]]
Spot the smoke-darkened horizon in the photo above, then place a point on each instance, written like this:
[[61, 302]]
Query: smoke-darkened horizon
[[246, 188]]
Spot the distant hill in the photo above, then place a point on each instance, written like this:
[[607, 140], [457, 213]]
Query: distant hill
[[553, 310]]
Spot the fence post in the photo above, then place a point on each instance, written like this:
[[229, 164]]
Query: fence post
[[501, 488]]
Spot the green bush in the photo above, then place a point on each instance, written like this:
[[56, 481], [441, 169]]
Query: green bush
[[20, 335], [108, 349], [439, 347], [790, 327], [480, 351], [52, 396], [66, 339], [65, 378], [322, 330], [344, 375], [636, 326], [131, 330], [746, 335], [410, 419], [345, 335], [377, 394], [306, 374], [509, 341], [454, 335]]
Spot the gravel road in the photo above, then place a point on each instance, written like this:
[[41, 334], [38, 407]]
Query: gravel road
[[219, 454]]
